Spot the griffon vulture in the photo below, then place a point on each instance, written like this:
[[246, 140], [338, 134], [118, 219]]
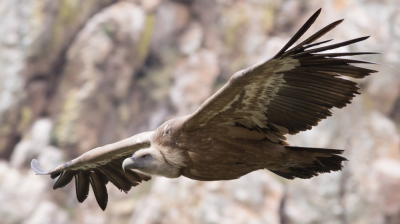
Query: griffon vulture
[[240, 129]]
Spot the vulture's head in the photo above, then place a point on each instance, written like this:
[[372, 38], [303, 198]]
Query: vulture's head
[[152, 162]]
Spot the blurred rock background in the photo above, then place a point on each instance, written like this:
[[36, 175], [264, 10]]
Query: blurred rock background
[[78, 74]]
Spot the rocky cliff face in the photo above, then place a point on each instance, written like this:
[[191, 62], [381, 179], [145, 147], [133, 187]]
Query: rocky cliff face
[[78, 74]]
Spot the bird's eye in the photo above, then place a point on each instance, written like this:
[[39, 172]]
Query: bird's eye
[[146, 156]]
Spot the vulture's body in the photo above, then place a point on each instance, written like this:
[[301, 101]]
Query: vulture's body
[[241, 128]]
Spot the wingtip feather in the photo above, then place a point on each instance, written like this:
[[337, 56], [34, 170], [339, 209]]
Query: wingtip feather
[[299, 33], [35, 165]]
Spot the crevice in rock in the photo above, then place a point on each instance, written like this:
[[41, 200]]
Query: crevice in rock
[[12, 141], [185, 2], [283, 217], [395, 111], [55, 74], [345, 175]]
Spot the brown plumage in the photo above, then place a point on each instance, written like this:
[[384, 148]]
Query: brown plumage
[[239, 129]]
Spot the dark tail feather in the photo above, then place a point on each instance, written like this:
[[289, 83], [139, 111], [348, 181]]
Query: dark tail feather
[[321, 165], [309, 149]]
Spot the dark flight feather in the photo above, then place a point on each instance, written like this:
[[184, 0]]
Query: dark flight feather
[[54, 175], [333, 46], [64, 179], [82, 185], [334, 55], [299, 33], [99, 189], [305, 46], [314, 37], [118, 179]]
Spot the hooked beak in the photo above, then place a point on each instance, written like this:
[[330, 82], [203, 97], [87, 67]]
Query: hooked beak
[[129, 163]]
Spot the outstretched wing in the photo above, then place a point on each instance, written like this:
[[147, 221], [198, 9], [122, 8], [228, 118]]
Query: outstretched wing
[[289, 93], [98, 166]]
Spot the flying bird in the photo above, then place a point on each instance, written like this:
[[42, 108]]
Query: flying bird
[[240, 129]]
